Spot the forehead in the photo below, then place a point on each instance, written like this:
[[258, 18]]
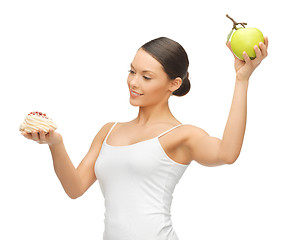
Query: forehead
[[143, 60]]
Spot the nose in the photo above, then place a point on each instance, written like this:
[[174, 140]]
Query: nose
[[134, 81]]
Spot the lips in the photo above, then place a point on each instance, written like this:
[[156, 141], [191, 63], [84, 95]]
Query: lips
[[135, 92]]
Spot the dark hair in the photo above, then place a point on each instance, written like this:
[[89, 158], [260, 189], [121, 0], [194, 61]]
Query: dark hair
[[172, 56]]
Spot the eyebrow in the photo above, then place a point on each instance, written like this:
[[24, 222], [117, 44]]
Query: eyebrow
[[143, 70]]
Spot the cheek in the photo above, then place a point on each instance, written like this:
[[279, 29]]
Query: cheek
[[155, 91]]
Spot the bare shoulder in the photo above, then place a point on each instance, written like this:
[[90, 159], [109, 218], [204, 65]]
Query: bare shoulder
[[107, 126], [100, 136], [190, 134], [204, 149], [104, 130], [193, 132]]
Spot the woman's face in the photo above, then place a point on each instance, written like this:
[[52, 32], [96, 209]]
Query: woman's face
[[148, 79]]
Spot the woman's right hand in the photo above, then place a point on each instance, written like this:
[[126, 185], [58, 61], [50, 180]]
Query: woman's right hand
[[51, 138]]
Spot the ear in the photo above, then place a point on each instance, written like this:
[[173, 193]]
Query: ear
[[175, 84]]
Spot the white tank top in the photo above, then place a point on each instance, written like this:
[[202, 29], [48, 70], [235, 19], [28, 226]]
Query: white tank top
[[137, 182]]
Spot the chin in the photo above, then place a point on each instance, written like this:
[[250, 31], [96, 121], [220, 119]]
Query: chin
[[135, 103]]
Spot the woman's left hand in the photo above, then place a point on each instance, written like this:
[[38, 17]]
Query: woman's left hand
[[244, 68]]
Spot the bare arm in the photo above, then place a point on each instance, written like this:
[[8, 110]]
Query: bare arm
[[77, 181], [74, 181], [233, 136], [65, 170], [63, 166], [234, 132], [211, 151], [85, 169]]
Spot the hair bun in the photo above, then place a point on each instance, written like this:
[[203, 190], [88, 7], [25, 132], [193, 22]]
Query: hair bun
[[184, 87]]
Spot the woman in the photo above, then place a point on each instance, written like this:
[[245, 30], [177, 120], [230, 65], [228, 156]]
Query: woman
[[138, 163]]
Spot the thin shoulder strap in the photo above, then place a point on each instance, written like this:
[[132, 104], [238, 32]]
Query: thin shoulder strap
[[110, 130], [169, 130]]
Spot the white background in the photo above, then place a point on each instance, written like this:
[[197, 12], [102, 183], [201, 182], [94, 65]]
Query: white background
[[70, 59]]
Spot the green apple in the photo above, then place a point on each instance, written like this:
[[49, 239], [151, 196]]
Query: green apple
[[244, 39]]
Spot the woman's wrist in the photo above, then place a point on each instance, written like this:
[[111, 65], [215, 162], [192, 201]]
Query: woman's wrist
[[242, 83], [56, 142], [242, 78]]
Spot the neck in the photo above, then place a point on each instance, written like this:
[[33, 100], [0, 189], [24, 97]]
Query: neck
[[154, 114]]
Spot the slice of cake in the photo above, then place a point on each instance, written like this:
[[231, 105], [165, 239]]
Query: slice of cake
[[35, 121]]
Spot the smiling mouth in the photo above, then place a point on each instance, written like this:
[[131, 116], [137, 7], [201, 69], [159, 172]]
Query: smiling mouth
[[135, 93]]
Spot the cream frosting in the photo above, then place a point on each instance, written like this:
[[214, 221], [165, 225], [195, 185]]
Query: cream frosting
[[35, 121]]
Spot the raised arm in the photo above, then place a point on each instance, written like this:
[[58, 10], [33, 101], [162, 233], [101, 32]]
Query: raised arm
[[211, 151], [233, 135]]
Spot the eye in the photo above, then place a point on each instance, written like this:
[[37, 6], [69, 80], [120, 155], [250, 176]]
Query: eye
[[132, 72]]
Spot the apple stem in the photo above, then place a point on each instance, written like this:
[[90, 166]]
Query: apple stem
[[235, 23]]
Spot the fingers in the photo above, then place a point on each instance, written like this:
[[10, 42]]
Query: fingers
[[266, 42], [42, 138], [258, 51], [36, 135], [247, 58], [256, 61], [229, 46], [51, 132], [261, 51], [263, 47], [26, 135]]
